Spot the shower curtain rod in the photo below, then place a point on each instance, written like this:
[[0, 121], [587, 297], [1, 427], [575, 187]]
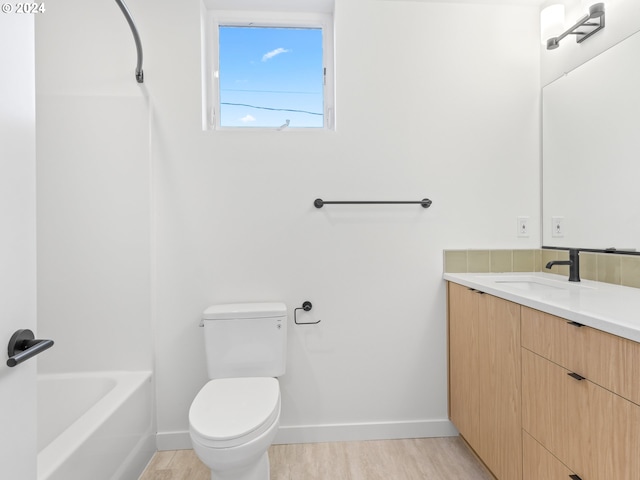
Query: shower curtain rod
[[136, 37]]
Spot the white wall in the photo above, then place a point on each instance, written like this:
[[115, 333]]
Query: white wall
[[622, 19], [94, 232], [437, 100], [94, 192], [434, 100]]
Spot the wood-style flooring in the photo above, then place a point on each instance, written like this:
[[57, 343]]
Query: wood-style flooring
[[446, 458]]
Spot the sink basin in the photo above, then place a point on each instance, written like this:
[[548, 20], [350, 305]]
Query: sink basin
[[532, 286], [535, 284]]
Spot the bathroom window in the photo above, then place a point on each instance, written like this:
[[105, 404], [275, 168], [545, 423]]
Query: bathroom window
[[268, 70]]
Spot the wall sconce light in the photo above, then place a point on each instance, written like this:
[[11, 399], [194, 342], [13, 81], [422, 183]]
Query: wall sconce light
[[551, 22], [593, 22]]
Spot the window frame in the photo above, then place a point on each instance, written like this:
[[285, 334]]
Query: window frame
[[213, 19]]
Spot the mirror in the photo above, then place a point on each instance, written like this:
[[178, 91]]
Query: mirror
[[591, 153]]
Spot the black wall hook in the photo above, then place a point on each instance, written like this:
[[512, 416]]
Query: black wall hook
[[306, 306]]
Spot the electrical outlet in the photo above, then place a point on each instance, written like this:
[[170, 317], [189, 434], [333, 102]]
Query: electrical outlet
[[557, 226], [523, 226]]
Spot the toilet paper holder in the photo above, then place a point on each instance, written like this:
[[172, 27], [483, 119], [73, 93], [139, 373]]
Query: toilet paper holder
[[306, 306]]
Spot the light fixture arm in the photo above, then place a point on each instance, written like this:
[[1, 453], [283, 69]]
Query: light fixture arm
[[596, 13]]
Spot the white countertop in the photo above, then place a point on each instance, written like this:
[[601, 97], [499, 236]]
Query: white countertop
[[610, 308]]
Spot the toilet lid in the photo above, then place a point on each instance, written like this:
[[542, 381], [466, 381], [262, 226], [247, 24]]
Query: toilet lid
[[231, 411]]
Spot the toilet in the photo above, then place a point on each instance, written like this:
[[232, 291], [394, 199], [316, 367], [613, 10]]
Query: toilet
[[235, 416]]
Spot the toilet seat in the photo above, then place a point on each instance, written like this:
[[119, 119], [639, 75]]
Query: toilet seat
[[228, 412]]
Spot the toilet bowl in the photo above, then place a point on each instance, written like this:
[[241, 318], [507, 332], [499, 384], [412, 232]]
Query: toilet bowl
[[232, 423], [235, 416]]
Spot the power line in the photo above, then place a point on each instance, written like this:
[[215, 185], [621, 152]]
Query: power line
[[268, 91], [269, 108]]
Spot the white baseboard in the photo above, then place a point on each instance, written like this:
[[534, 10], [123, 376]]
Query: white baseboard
[[364, 431], [333, 433], [173, 441]]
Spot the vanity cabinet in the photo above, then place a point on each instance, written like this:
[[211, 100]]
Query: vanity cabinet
[[539, 397], [578, 394], [484, 377]]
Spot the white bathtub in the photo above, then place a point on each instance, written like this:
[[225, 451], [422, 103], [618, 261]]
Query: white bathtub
[[94, 425]]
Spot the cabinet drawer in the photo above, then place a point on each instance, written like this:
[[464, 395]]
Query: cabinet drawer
[[592, 431], [539, 464], [607, 360]]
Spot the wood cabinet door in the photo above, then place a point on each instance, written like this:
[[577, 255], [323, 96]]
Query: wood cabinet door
[[464, 387], [484, 377], [499, 356]]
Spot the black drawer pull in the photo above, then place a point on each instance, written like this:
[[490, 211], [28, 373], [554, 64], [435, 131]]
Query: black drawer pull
[[574, 477], [576, 376], [575, 324], [475, 291]]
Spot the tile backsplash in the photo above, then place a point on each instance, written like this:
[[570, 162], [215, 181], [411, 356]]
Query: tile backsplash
[[477, 261], [601, 267]]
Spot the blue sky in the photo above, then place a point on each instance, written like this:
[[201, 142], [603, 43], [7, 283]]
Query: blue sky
[[265, 71]]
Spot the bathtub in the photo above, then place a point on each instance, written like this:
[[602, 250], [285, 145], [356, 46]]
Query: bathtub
[[94, 425]]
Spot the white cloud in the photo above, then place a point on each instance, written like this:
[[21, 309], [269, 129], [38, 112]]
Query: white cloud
[[273, 53], [248, 118]]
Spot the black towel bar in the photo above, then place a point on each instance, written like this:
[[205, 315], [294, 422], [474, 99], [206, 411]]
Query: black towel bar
[[319, 203]]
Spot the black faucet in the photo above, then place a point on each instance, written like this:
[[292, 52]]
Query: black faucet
[[573, 262]]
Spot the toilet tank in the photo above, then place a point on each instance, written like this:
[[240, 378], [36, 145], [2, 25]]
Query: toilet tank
[[245, 339]]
